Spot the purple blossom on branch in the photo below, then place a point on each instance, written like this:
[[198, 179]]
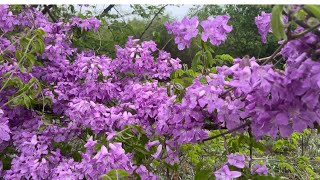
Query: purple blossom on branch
[[225, 174], [216, 29], [183, 31], [263, 24], [237, 160], [260, 169]]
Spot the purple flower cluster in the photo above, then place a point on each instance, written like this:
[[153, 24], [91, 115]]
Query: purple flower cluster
[[260, 169], [138, 59], [86, 24], [216, 29], [183, 31], [238, 161], [225, 174], [263, 23], [105, 95], [4, 128], [78, 91], [7, 19]]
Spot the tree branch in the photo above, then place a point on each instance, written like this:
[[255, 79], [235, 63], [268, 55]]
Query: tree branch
[[47, 10], [154, 17], [306, 26], [167, 43], [106, 10], [275, 52], [306, 31], [228, 132], [123, 20]]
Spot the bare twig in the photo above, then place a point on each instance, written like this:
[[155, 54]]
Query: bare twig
[[224, 142], [154, 17], [106, 10], [47, 10], [306, 26], [123, 20], [167, 43], [250, 148], [275, 52], [306, 31], [228, 132], [266, 58]]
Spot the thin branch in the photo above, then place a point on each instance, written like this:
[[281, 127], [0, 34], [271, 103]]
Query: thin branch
[[250, 148], [275, 52], [47, 10], [224, 142], [306, 31], [306, 26], [278, 61], [226, 92], [154, 17], [167, 43], [106, 10], [52, 17], [123, 20], [266, 58], [228, 132], [296, 36]]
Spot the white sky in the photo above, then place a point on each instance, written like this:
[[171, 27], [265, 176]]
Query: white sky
[[173, 10]]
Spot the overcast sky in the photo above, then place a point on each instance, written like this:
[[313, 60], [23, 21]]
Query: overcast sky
[[174, 11]]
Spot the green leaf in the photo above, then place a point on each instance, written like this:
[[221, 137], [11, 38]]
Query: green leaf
[[265, 178], [286, 166], [202, 174], [15, 82], [18, 55], [30, 61], [115, 174], [314, 9], [195, 61], [301, 14], [6, 162], [277, 22], [40, 32], [208, 58], [41, 45]]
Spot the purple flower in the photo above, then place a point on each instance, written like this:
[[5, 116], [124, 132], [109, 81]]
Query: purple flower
[[260, 169], [145, 174], [225, 174], [183, 31], [237, 160], [157, 153], [216, 29], [152, 143], [4, 128], [263, 24]]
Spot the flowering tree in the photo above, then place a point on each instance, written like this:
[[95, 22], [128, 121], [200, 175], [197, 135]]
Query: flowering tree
[[70, 114]]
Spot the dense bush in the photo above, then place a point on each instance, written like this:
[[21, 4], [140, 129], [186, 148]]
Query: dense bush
[[67, 112]]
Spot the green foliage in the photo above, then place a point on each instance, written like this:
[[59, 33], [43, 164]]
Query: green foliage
[[277, 22], [314, 9], [115, 174], [203, 173], [6, 157]]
